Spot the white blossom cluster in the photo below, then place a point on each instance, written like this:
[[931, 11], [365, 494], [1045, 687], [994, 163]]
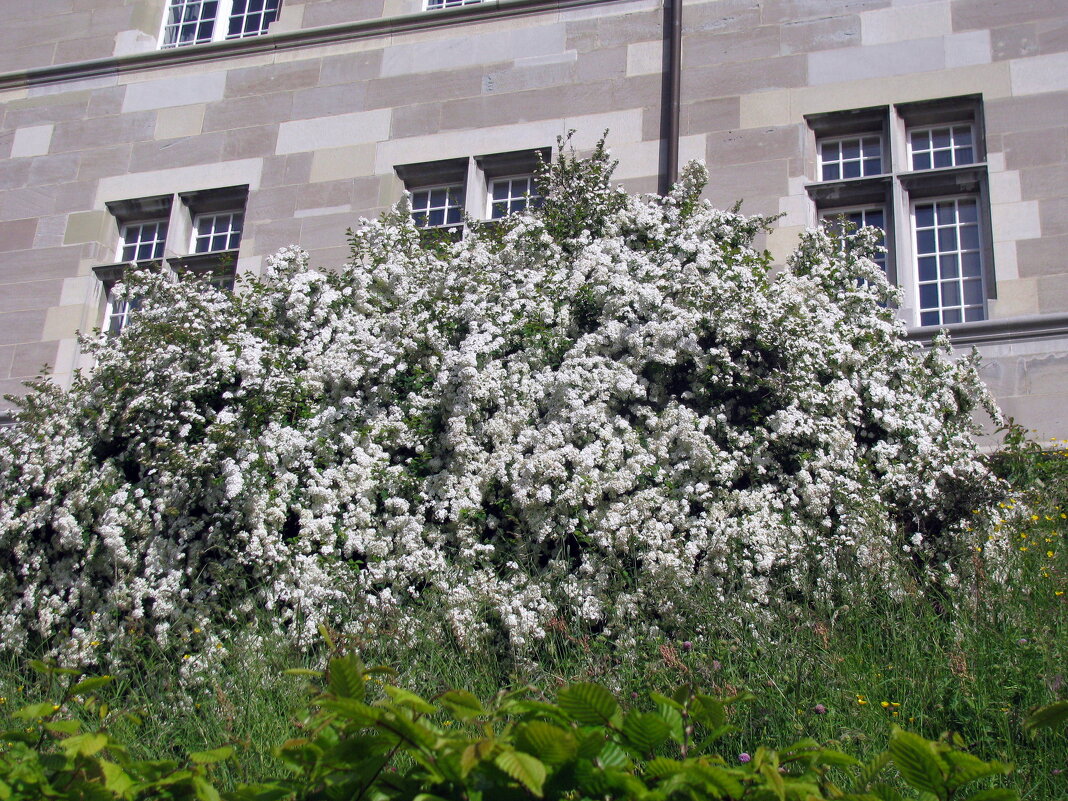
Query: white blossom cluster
[[613, 413]]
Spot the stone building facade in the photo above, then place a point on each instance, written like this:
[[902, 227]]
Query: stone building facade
[[205, 134]]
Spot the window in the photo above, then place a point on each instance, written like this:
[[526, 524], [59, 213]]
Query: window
[[214, 233], [487, 187], [208, 230], [948, 146], [143, 241], [850, 157], [511, 195], [434, 4], [438, 206], [949, 260], [919, 166], [842, 221], [188, 22]]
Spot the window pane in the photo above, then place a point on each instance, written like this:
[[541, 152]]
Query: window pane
[[921, 161], [974, 314], [947, 213], [929, 296], [965, 156], [940, 137], [949, 266], [950, 293], [928, 268], [943, 158], [851, 149], [973, 292], [947, 238], [967, 211], [950, 316], [971, 265], [969, 237], [929, 318], [925, 241], [851, 169], [925, 215], [873, 166], [830, 172]]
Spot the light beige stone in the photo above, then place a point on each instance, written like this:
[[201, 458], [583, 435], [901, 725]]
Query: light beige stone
[[336, 131], [342, 162], [902, 23], [33, 140], [88, 226], [172, 123]]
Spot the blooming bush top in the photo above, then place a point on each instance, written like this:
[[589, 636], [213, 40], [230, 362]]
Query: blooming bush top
[[613, 410]]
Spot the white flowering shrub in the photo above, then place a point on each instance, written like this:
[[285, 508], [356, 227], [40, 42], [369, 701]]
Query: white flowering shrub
[[612, 412]]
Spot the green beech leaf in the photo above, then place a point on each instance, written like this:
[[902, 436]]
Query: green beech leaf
[[34, 711], [204, 790], [672, 717], [346, 677], [708, 711], [995, 794], [716, 779], [659, 767], [211, 757], [524, 768], [644, 731], [868, 772], [1047, 717], [410, 700], [462, 704], [612, 756], [92, 683], [85, 744], [547, 742], [63, 726], [589, 704], [915, 759], [115, 778]]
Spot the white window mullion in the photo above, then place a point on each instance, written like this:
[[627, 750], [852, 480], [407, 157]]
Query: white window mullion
[[222, 20]]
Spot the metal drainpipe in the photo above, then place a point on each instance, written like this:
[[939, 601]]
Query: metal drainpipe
[[669, 107]]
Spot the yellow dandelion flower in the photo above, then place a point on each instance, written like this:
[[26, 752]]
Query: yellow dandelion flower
[[1059, 593], [1034, 517], [1023, 547], [1049, 554], [884, 704]]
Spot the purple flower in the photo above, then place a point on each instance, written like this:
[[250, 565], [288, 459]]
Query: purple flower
[[1056, 771], [716, 664], [687, 646], [819, 709], [1022, 641], [744, 757]]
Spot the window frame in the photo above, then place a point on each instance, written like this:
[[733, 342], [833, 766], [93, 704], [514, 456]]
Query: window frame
[[938, 254], [438, 5], [159, 242], [831, 213], [529, 199], [220, 22], [841, 161], [931, 151], [230, 232]]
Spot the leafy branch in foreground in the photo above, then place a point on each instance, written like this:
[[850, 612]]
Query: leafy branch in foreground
[[367, 739]]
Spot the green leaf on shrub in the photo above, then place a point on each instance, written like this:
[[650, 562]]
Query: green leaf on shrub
[[462, 704], [659, 767], [1047, 717], [85, 744], [475, 753], [35, 711], [115, 778], [916, 760], [589, 704], [966, 768], [92, 683], [204, 790], [63, 726], [346, 677], [868, 772], [547, 742], [666, 709], [410, 700], [995, 794], [644, 731], [524, 768], [211, 757], [716, 779]]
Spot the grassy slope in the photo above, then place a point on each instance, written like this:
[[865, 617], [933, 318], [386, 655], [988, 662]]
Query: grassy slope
[[971, 672]]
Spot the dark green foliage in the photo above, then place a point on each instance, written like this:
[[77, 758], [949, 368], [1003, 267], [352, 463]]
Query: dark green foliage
[[521, 746]]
